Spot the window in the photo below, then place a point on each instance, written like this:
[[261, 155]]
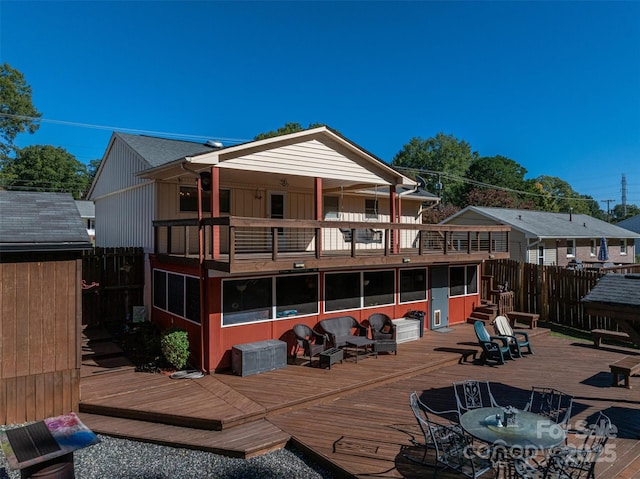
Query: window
[[296, 295], [571, 247], [623, 246], [378, 288], [331, 207], [246, 301], [463, 280], [413, 285], [594, 250], [189, 200], [177, 294], [371, 209], [342, 291]]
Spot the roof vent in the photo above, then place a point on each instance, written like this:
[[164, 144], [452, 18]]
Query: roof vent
[[214, 144]]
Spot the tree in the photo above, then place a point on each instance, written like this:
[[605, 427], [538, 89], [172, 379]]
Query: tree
[[445, 158], [556, 195], [45, 168], [496, 198], [285, 130], [618, 213], [17, 113], [438, 213]]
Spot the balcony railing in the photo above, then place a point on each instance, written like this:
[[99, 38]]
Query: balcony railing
[[231, 239]]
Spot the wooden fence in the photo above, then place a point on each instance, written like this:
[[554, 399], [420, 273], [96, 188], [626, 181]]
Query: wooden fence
[[112, 283], [554, 292]]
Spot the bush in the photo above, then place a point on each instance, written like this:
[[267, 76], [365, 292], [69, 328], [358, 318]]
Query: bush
[[175, 347]]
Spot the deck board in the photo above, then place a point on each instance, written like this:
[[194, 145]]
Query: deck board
[[356, 417]]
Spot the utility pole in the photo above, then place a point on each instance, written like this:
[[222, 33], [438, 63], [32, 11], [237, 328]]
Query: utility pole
[[608, 202]]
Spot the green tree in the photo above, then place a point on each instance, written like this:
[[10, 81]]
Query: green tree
[[446, 160], [17, 112], [556, 195], [45, 168], [496, 198], [286, 129], [618, 212]]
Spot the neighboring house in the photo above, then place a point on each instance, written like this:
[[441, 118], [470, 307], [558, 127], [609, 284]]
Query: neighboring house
[[553, 238], [294, 229], [41, 242], [88, 214], [632, 224]]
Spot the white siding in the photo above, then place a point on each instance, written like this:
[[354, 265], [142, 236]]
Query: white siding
[[119, 170], [125, 219], [310, 158]]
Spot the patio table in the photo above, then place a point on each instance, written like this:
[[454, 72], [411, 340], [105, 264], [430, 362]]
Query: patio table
[[363, 342], [531, 434]]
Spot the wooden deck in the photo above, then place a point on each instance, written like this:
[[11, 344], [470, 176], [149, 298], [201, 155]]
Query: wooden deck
[[355, 418]]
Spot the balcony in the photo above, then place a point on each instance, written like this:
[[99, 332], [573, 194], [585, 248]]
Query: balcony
[[245, 245]]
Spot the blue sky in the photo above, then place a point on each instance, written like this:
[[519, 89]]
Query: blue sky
[[554, 86]]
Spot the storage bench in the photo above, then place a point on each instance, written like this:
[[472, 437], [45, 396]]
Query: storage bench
[[627, 366], [258, 357]]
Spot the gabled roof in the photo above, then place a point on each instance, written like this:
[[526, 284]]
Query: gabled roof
[[632, 224], [86, 209], [545, 225], [160, 151], [38, 222], [616, 289]]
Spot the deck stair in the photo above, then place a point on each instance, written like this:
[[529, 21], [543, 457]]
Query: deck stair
[[485, 313]]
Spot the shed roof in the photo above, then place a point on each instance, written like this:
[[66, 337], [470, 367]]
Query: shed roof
[[616, 290], [542, 224], [34, 221]]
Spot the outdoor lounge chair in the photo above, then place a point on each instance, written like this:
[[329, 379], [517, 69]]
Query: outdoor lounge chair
[[311, 342], [494, 348], [341, 329], [517, 339], [383, 331]]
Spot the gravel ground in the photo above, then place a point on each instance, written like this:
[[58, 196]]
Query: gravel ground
[[119, 459]]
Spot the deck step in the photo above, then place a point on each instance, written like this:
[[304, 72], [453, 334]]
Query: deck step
[[243, 441]]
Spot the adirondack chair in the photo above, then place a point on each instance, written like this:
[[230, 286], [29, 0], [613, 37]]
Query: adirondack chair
[[494, 348], [517, 339]]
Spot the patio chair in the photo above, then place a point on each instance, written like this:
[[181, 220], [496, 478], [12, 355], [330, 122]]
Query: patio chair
[[311, 342], [570, 462], [550, 403], [453, 448], [517, 339], [383, 331], [472, 394], [494, 348]]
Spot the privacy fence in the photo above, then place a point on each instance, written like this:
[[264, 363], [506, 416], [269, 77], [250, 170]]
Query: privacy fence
[[112, 284], [554, 292]]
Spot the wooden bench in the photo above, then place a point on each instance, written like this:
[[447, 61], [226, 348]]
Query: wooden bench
[[528, 318], [600, 334], [627, 366]]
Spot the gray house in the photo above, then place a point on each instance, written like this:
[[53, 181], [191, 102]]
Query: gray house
[[554, 238], [632, 224]]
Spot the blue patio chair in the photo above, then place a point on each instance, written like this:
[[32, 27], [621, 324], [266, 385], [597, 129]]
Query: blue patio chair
[[518, 340], [495, 348]]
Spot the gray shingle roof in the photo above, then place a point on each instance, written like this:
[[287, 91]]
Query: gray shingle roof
[[31, 221], [632, 224], [616, 289], [542, 224], [86, 208], [160, 151]]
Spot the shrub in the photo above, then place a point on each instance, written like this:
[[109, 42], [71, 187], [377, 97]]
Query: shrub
[[175, 347]]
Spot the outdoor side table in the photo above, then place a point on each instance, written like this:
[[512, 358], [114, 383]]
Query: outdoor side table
[[330, 356], [45, 448]]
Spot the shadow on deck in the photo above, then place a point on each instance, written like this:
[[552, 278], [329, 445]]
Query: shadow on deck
[[362, 425]]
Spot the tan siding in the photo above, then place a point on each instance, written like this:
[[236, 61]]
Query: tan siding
[[311, 158]]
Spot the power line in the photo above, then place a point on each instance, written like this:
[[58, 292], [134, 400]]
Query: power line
[[124, 130]]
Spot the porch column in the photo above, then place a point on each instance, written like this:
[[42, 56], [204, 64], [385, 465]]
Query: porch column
[[317, 192], [393, 201], [215, 212]]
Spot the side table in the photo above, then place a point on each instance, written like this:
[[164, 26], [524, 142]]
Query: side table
[[385, 346], [330, 356]]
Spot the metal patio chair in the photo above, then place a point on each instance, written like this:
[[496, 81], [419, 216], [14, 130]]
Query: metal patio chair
[[550, 403], [472, 394]]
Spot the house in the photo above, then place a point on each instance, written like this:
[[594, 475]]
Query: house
[[245, 241], [88, 214], [42, 238], [554, 238], [632, 224]]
